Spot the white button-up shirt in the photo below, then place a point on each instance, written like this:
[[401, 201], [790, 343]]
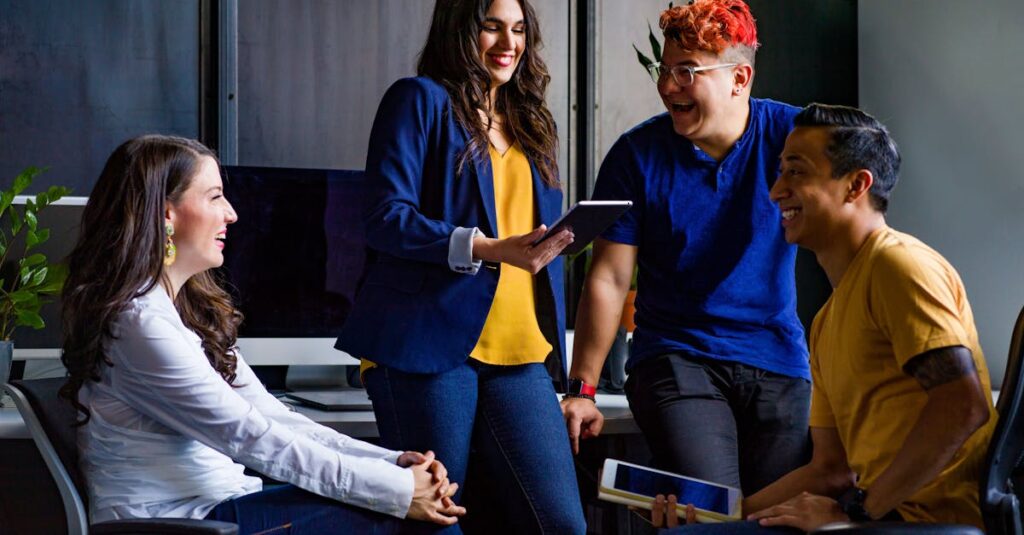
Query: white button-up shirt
[[168, 437]]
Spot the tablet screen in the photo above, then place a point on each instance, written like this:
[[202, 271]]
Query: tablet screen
[[647, 483]]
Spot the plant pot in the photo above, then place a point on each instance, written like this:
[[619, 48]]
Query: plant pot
[[6, 357]]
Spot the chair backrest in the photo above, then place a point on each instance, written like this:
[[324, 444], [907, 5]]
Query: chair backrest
[[1000, 506], [50, 420]]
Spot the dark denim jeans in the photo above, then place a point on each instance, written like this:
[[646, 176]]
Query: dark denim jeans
[[289, 510], [502, 423], [721, 421]]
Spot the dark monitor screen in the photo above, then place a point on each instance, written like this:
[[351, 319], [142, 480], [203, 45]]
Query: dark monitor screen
[[294, 258]]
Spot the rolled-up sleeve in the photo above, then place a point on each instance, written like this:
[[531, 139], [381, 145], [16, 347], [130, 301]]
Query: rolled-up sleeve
[[460, 251], [165, 375]]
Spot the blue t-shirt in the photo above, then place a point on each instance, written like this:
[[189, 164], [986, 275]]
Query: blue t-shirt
[[716, 275]]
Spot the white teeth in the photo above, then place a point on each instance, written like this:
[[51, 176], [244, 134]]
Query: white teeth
[[789, 214]]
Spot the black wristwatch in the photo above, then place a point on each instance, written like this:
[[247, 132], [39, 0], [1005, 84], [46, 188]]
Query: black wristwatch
[[579, 389], [852, 503]]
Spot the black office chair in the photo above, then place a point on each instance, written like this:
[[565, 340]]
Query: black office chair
[[49, 421], [1000, 477]]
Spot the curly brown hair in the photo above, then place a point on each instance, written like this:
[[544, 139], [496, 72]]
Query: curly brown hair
[[119, 256], [451, 57]]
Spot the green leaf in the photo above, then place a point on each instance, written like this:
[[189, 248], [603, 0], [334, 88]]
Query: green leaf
[[55, 278], [6, 198], [28, 318], [42, 235], [55, 193], [3, 248], [24, 275], [39, 276], [655, 45], [37, 258], [24, 179], [30, 217], [644, 60], [31, 239], [20, 296], [15, 218]]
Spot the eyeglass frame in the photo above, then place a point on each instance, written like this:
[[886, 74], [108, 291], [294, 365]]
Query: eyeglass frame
[[654, 69]]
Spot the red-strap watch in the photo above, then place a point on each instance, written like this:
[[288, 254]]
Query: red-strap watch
[[579, 389]]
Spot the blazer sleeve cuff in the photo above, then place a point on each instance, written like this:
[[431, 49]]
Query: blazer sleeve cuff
[[460, 251]]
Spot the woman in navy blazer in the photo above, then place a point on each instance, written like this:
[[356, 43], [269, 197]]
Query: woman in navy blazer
[[436, 257]]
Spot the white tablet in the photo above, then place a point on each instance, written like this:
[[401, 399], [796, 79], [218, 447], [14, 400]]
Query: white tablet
[[587, 220], [632, 484]]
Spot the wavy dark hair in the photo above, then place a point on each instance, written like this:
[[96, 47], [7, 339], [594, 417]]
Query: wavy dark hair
[[451, 57], [119, 256]]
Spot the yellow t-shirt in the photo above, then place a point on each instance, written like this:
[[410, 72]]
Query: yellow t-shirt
[[898, 299], [511, 334]]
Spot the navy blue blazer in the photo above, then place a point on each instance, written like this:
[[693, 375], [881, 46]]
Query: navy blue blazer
[[413, 312]]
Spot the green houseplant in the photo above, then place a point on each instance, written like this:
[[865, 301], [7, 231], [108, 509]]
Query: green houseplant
[[27, 278]]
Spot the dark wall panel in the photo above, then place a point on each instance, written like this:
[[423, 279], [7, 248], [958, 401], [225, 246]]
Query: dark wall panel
[[311, 73], [78, 78]]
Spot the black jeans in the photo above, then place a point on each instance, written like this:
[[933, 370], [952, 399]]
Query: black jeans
[[721, 421]]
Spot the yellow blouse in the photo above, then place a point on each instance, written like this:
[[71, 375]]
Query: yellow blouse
[[511, 333]]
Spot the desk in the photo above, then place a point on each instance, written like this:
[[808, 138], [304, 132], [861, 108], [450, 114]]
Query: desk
[[618, 419]]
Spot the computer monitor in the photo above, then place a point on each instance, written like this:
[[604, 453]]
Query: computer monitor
[[293, 260], [62, 218]]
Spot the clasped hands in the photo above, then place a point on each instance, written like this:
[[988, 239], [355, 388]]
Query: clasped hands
[[432, 494]]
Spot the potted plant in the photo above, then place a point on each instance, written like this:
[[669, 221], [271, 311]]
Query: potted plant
[[27, 278]]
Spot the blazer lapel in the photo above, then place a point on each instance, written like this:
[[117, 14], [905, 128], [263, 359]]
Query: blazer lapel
[[485, 178]]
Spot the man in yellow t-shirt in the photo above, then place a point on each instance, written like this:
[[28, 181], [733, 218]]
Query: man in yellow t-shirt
[[901, 410]]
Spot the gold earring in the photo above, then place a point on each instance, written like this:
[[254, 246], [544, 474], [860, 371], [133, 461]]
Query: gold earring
[[170, 251]]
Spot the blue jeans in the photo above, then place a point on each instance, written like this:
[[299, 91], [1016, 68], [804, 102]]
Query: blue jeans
[[721, 421], [504, 424], [289, 510]]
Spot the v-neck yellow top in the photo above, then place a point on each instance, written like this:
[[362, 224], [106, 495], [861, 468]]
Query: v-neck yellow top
[[511, 334]]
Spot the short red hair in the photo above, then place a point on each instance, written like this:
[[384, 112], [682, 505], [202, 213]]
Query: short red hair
[[710, 25]]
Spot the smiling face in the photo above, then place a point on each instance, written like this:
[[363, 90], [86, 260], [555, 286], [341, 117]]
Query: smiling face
[[200, 218], [502, 40], [709, 106], [813, 203]]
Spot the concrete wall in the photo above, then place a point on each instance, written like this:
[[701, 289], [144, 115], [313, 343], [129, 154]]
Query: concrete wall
[[946, 78]]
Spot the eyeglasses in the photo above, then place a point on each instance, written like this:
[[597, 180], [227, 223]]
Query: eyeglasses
[[682, 75]]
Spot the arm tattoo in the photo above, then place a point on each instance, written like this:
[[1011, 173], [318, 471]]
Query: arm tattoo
[[940, 366]]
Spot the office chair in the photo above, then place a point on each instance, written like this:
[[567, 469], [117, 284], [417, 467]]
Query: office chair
[[50, 422], [1000, 504]]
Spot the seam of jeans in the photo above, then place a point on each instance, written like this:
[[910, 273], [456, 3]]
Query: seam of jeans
[[515, 474]]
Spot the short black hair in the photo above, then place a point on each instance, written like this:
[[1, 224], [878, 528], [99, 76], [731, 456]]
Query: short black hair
[[857, 141]]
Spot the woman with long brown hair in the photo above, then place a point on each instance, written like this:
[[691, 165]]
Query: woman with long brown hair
[[170, 412], [460, 320]]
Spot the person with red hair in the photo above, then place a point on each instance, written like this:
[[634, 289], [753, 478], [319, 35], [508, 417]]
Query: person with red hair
[[718, 372]]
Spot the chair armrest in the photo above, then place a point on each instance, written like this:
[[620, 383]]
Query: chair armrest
[[895, 528], [164, 526]]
